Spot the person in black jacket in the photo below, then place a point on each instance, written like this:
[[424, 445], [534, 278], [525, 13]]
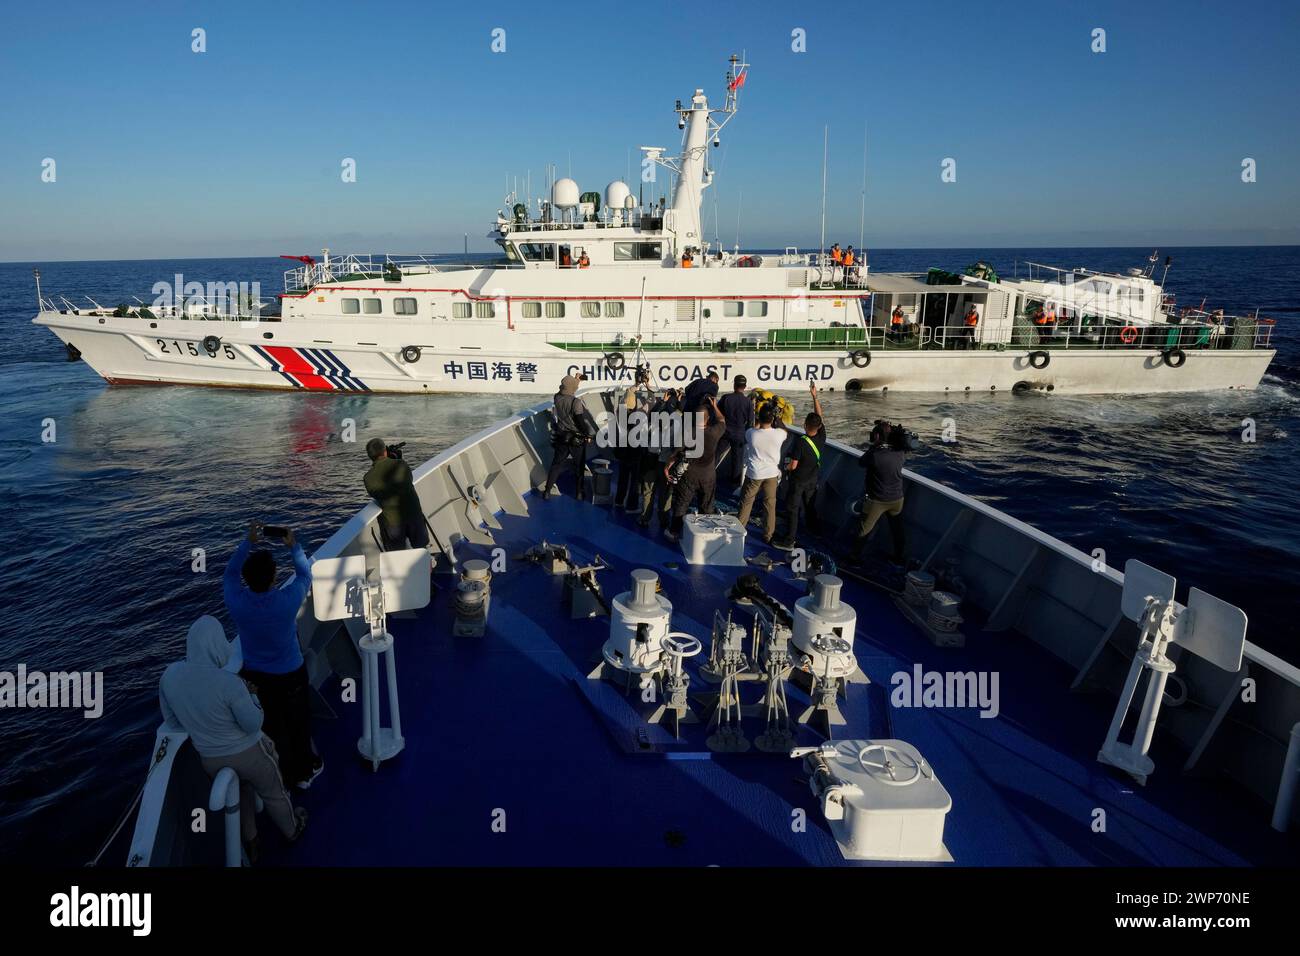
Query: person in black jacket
[[572, 430], [883, 488], [699, 480], [802, 470], [738, 409]]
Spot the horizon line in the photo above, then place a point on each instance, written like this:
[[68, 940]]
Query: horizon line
[[1229, 245]]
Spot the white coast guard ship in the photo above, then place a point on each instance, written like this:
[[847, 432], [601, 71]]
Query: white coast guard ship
[[582, 286]]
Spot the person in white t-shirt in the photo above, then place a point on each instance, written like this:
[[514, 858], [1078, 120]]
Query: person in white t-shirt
[[762, 470]]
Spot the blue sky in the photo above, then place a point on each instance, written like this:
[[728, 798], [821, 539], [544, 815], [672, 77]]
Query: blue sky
[[161, 151]]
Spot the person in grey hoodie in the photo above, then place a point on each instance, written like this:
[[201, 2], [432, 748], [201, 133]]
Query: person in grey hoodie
[[224, 722]]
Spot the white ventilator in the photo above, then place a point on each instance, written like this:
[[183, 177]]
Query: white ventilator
[[342, 589], [1207, 627]]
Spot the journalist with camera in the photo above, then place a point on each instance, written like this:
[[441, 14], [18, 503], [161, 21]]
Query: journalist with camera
[[388, 482]]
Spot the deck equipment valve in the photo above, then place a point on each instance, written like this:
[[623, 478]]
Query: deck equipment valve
[[727, 666]]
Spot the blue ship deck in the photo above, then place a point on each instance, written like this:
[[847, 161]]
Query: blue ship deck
[[510, 722]]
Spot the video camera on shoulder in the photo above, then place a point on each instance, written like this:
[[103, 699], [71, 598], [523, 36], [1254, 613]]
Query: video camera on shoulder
[[395, 450], [882, 431]]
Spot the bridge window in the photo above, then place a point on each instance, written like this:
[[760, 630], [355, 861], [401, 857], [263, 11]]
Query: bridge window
[[757, 310], [538, 251], [613, 310], [460, 310], [591, 310], [531, 310], [555, 310], [372, 306], [485, 310], [733, 309], [404, 306], [351, 306], [627, 251]]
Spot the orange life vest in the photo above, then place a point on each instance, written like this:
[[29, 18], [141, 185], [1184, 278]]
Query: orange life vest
[[848, 259], [565, 260], [583, 261], [972, 319], [837, 256], [686, 262], [896, 318]]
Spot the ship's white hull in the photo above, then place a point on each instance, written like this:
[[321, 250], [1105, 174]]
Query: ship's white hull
[[286, 356]]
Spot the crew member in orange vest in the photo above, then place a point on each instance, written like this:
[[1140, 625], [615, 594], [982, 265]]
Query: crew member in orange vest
[[1045, 318], [566, 261], [968, 333], [584, 260], [849, 259], [896, 321], [836, 255], [688, 260]]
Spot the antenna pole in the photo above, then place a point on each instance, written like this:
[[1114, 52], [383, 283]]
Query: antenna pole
[[740, 200], [40, 303], [862, 216], [825, 143]]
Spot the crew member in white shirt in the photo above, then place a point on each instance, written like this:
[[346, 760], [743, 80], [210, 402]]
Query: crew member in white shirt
[[762, 469]]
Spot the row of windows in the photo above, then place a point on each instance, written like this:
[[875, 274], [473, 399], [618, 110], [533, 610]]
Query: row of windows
[[376, 306], [532, 310], [734, 310]]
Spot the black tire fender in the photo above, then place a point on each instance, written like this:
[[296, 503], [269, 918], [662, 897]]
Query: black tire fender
[[615, 360], [1036, 355], [860, 358], [210, 344], [1174, 353]]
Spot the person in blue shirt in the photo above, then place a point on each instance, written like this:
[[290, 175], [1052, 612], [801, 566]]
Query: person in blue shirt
[[266, 619]]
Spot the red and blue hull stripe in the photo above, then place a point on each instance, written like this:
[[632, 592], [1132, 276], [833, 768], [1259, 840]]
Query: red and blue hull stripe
[[318, 370]]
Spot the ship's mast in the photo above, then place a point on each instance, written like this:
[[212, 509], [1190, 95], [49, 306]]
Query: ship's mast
[[692, 167]]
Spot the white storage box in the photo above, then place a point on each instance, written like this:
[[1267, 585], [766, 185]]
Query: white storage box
[[883, 801], [713, 539]]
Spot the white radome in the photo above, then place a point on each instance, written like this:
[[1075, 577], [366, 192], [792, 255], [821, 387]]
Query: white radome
[[564, 194], [617, 194]]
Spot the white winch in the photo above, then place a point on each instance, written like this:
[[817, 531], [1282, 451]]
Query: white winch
[[638, 624], [881, 799], [473, 598], [823, 632]]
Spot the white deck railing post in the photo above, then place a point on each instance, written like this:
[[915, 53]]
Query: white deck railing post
[[224, 798]]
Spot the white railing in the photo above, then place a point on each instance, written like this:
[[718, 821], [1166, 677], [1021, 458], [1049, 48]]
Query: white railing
[[197, 308]]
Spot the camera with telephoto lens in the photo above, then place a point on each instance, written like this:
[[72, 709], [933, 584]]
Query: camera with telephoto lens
[[395, 451]]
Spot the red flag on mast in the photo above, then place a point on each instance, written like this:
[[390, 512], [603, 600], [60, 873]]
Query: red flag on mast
[[739, 81]]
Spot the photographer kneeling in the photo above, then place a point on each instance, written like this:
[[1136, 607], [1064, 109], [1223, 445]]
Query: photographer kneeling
[[388, 482]]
